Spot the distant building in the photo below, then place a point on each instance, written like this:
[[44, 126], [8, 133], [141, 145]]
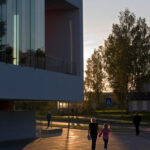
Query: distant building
[[41, 58], [146, 87], [139, 102], [102, 98], [111, 95]]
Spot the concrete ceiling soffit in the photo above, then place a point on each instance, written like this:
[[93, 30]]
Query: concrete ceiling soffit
[[59, 4], [75, 3]]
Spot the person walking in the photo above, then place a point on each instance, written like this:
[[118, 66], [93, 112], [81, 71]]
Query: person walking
[[105, 131], [93, 131], [136, 122], [48, 117]]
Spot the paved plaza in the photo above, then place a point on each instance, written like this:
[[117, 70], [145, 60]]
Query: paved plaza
[[77, 140]]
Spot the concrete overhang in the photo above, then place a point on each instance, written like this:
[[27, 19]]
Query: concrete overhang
[[59, 4], [75, 3]]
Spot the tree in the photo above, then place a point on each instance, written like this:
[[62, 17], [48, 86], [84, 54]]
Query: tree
[[127, 54], [2, 23], [94, 76], [2, 28]]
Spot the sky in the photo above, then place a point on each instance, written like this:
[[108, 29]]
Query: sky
[[99, 15]]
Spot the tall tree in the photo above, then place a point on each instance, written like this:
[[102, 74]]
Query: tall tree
[[94, 76], [2, 23], [127, 54]]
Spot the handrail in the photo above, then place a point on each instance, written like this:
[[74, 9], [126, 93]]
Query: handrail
[[41, 61]]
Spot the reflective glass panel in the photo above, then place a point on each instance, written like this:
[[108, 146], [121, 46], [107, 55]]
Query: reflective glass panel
[[22, 32]]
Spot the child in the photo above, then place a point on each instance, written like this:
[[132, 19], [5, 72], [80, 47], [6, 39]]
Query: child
[[105, 131]]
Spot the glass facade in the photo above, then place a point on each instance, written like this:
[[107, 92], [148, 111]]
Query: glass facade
[[23, 36], [22, 32]]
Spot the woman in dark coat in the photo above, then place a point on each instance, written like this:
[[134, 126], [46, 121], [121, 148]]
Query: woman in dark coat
[[93, 131]]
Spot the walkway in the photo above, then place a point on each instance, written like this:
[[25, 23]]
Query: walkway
[[76, 140], [110, 120]]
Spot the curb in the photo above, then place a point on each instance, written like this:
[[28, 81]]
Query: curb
[[51, 131]]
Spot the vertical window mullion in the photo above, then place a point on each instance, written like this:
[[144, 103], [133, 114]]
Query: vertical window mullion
[[16, 28], [6, 34], [30, 31], [0, 30]]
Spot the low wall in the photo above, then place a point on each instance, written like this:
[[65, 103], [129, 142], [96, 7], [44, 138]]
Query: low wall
[[17, 125]]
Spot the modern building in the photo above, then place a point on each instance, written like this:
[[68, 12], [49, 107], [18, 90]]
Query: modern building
[[41, 58]]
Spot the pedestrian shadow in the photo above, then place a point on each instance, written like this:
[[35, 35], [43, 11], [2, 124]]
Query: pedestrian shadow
[[68, 130], [49, 135], [67, 138]]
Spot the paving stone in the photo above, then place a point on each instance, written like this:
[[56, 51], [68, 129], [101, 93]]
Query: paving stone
[[77, 140]]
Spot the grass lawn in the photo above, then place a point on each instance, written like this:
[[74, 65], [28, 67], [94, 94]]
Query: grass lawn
[[84, 127], [119, 117]]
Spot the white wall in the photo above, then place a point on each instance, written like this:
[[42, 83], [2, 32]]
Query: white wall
[[17, 125], [26, 83]]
